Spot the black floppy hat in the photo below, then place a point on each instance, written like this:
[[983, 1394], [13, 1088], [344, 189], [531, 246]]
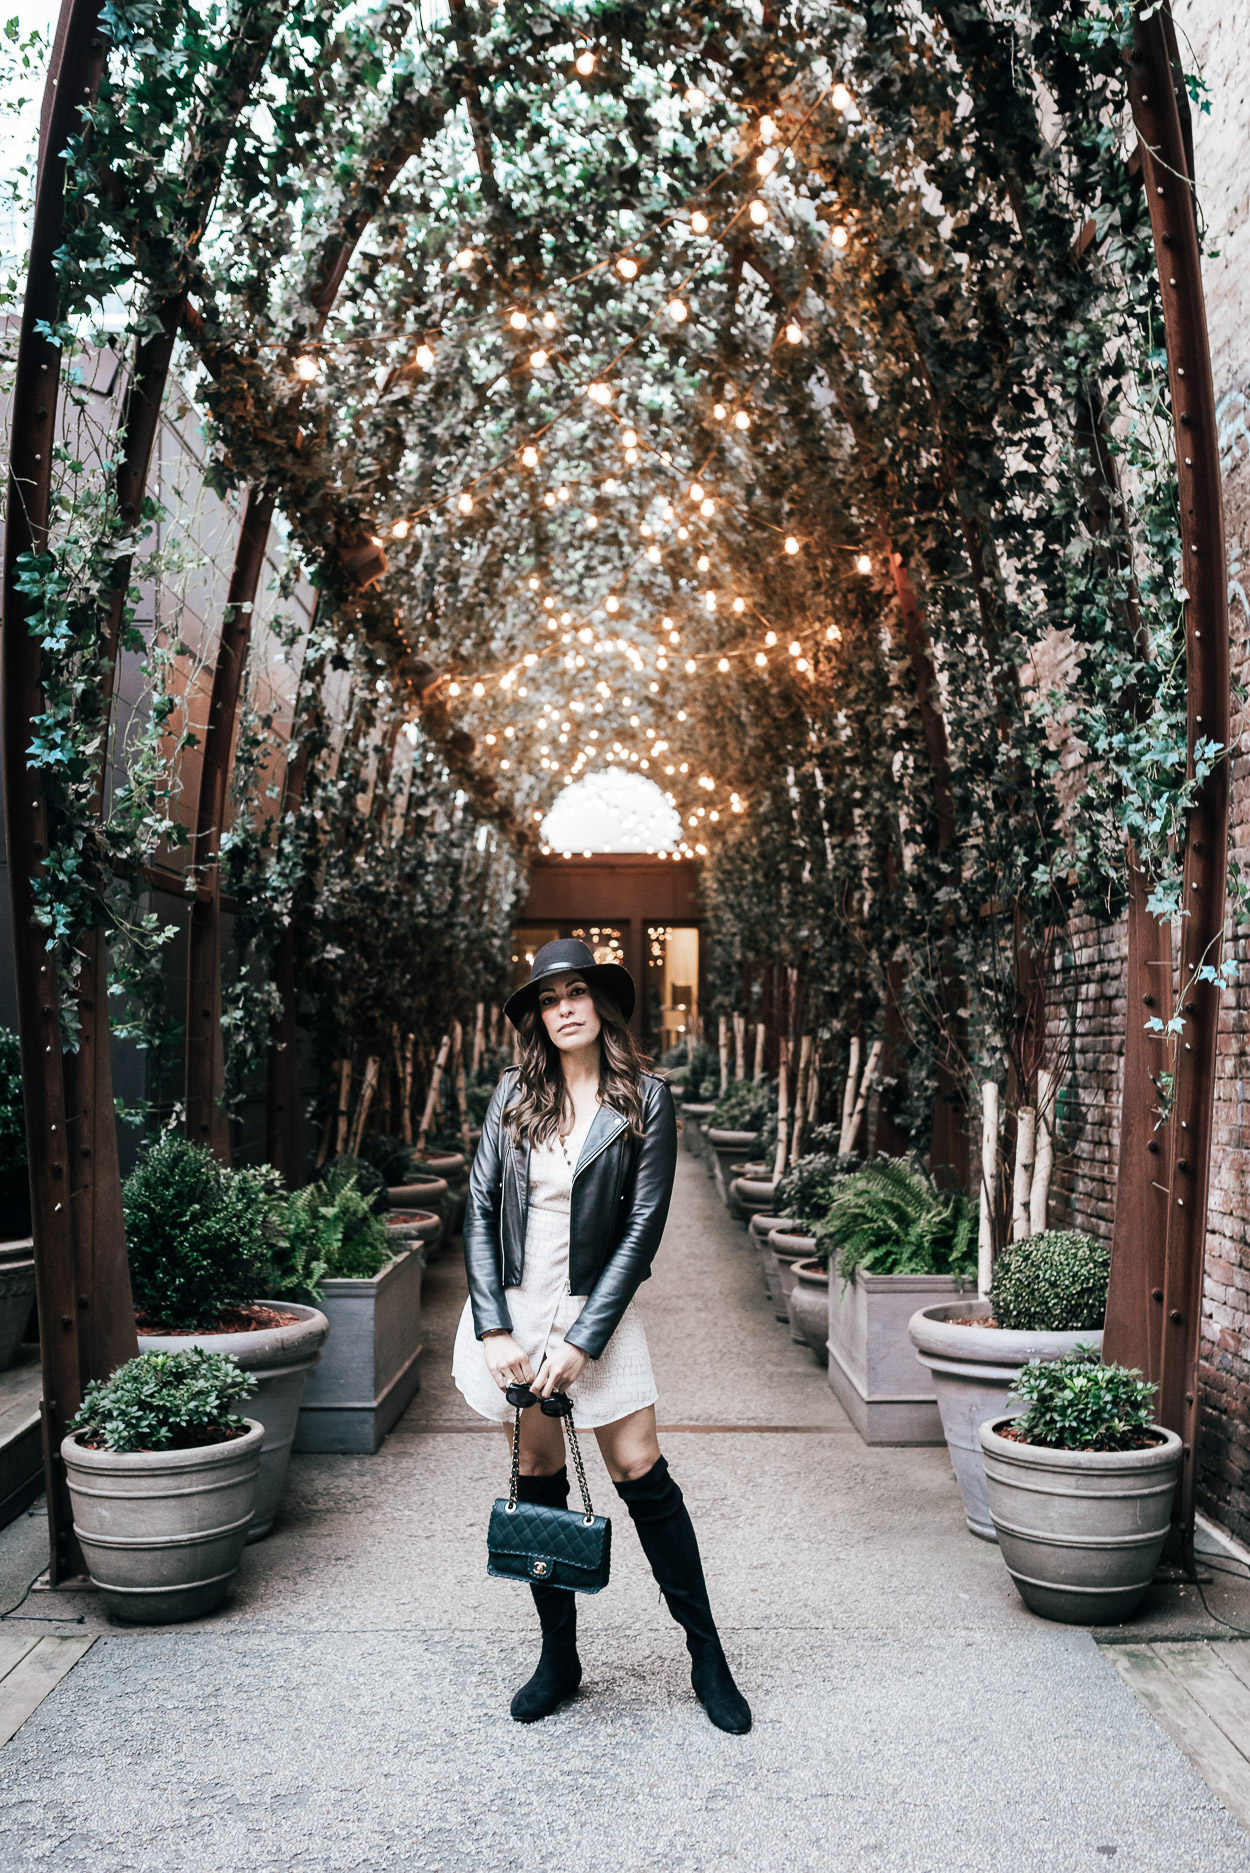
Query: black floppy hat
[[570, 956]]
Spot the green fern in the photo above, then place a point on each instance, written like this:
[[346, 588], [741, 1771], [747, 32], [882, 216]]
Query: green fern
[[888, 1219]]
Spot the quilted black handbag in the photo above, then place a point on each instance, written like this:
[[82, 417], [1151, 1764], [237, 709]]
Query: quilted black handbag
[[530, 1541]]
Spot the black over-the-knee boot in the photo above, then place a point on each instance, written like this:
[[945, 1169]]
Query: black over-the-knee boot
[[658, 1511], [559, 1668]]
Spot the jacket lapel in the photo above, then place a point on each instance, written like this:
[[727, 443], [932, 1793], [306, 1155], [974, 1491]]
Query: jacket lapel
[[606, 1123]]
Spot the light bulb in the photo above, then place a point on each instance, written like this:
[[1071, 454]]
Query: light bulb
[[585, 63], [770, 638], [562, 494], [549, 603], [742, 420], [453, 689], [709, 599], [703, 562], [840, 237], [549, 499], [758, 212], [626, 267], [699, 221], [425, 357], [677, 311], [479, 689], [529, 455], [533, 584], [306, 368], [707, 509], [400, 529], [863, 563], [695, 98], [696, 491], [465, 259], [795, 648], [538, 358], [722, 664], [631, 455], [518, 320], [599, 393], [549, 320], [740, 604], [691, 666], [792, 545], [612, 603], [683, 533], [801, 664], [841, 99], [794, 333], [767, 162], [630, 438], [592, 520], [768, 128], [465, 503], [832, 633], [761, 659]]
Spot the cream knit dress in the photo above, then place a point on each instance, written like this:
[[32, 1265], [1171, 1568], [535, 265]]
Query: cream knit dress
[[620, 1380]]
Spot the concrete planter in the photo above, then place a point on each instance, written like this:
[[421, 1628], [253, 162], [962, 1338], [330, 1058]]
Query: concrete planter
[[17, 1295], [368, 1372], [783, 1251], [1081, 1530], [871, 1364], [809, 1308], [406, 1228], [753, 1196], [453, 1167], [973, 1370], [693, 1117], [279, 1360], [162, 1531], [726, 1147], [428, 1193]]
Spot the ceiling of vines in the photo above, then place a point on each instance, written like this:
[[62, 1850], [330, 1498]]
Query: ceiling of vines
[[764, 399]]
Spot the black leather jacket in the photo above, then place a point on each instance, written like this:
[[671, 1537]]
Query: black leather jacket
[[621, 1190]]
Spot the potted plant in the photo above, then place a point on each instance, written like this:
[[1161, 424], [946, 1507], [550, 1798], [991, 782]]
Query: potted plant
[[162, 1478], [808, 1306], [1080, 1488], [804, 1193], [733, 1127], [1049, 1294], [204, 1243], [890, 1240], [371, 1295]]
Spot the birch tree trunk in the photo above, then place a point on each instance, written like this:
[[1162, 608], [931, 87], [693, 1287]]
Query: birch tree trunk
[[740, 1047], [861, 1097], [1043, 1150], [410, 1051], [431, 1098], [1022, 1180], [989, 1180], [462, 1091], [800, 1096], [848, 1095], [479, 1037], [761, 1041], [723, 1038], [367, 1090], [345, 1093], [783, 1106]]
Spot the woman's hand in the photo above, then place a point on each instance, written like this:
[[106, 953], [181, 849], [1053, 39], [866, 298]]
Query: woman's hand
[[562, 1367], [505, 1360]]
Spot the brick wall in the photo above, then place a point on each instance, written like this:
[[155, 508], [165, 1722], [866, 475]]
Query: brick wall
[[1086, 1002]]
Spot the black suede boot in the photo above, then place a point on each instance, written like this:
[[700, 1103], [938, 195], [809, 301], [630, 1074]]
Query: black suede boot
[[659, 1513], [559, 1668]]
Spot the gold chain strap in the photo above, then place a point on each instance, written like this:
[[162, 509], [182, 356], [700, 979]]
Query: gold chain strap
[[570, 1432]]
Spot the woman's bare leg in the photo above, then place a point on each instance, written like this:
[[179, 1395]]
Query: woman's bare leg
[[630, 1447], [542, 1443]]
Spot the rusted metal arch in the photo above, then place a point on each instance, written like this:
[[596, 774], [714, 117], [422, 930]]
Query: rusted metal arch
[[76, 67]]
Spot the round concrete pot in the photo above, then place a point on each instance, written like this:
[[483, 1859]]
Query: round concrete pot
[[784, 1250], [427, 1193], [809, 1308], [693, 1116], [752, 1195], [974, 1369], [726, 1147], [406, 1227], [279, 1360], [1081, 1530], [453, 1167], [17, 1295], [162, 1531]]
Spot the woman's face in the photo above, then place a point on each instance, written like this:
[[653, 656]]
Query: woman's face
[[568, 1012]]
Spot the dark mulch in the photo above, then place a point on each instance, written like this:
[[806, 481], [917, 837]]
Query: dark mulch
[[254, 1319]]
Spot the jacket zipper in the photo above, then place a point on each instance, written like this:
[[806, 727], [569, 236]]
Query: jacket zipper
[[599, 1150]]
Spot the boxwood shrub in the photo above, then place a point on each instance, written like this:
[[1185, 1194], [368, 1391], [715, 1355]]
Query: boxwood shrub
[[1052, 1283], [1077, 1403], [164, 1401]]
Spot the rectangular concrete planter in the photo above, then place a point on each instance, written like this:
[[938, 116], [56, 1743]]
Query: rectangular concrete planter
[[368, 1371], [884, 1391]]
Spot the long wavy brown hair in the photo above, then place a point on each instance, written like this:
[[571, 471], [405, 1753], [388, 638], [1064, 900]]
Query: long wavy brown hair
[[542, 1104]]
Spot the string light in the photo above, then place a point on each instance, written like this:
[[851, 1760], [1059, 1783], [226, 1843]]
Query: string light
[[740, 604], [761, 659], [718, 411], [425, 357], [585, 63], [792, 545], [626, 267], [758, 211], [699, 222], [400, 530], [549, 320], [518, 320], [529, 455], [306, 368], [465, 259], [863, 563], [841, 99], [696, 491], [465, 503], [677, 311], [839, 237], [767, 162], [695, 98], [599, 393], [538, 358], [742, 420], [722, 664], [794, 333]]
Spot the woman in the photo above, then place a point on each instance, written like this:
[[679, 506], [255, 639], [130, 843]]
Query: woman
[[567, 1201]]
